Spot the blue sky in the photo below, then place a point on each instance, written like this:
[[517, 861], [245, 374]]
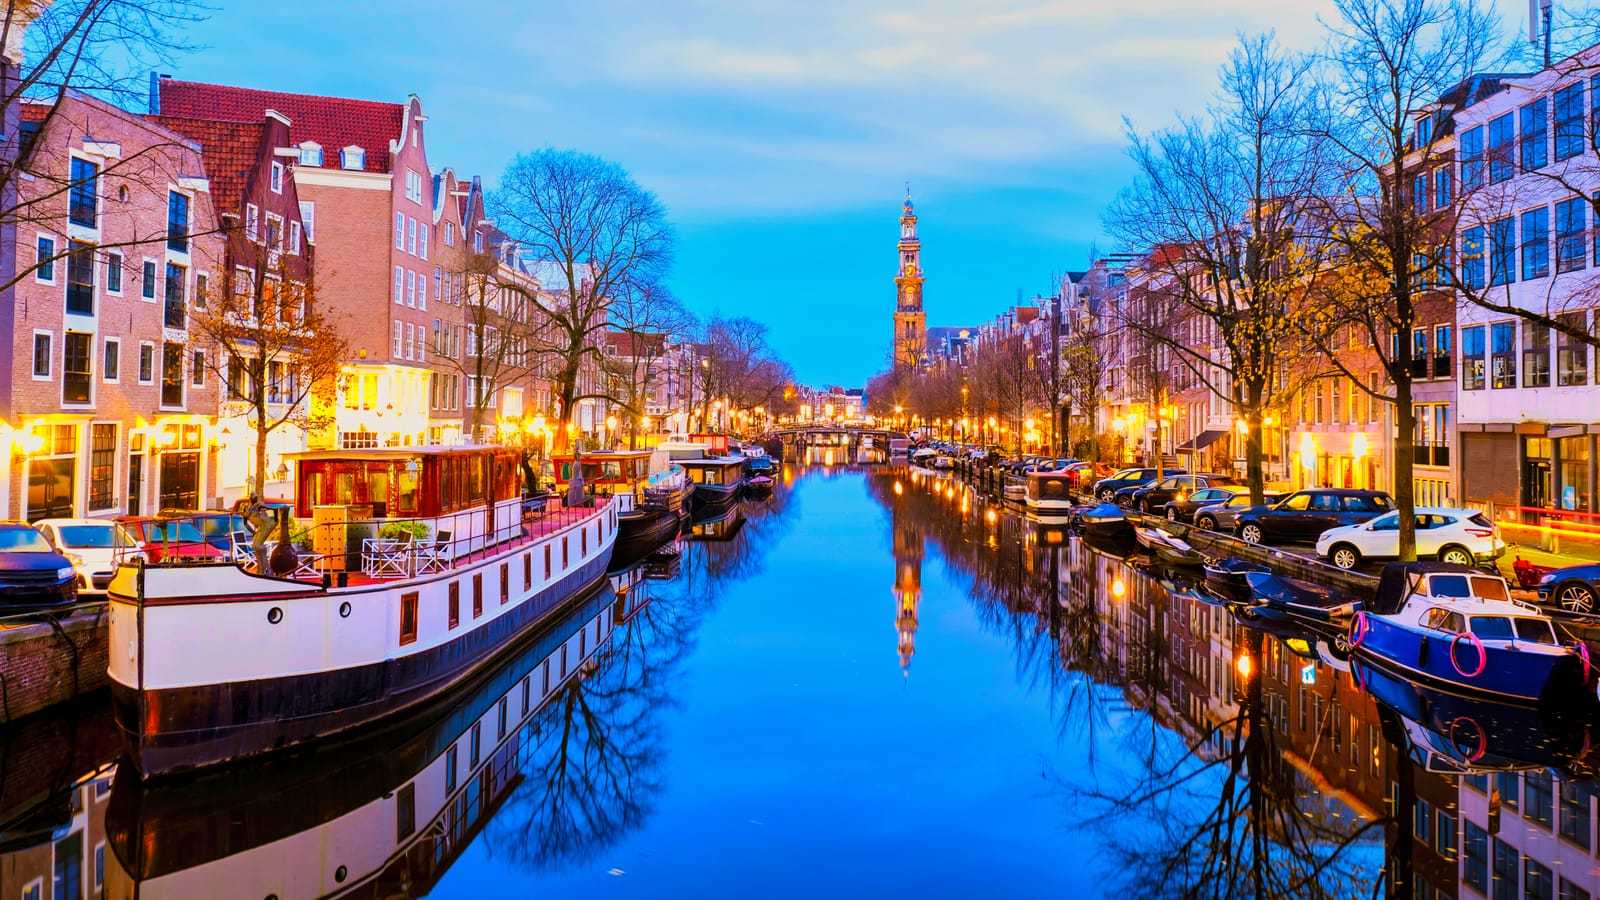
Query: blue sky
[[780, 134]]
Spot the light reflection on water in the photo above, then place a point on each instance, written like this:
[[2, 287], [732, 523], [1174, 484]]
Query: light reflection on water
[[874, 682]]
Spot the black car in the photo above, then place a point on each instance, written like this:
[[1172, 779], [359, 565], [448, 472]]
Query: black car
[[33, 575], [1154, 497], [1574, 588], [1305, 515], [1105, 490]]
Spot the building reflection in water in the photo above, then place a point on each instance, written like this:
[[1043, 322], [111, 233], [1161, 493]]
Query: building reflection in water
[[906, 544], [1255, 761]]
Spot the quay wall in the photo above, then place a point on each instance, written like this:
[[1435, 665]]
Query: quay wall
[[45, 661]]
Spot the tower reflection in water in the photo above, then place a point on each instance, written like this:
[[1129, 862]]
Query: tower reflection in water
[[1251, 758]]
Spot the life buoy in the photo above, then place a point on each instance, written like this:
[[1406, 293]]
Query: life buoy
[[1358, 629], [1483, 655], [1482, 739], [1583, 654]]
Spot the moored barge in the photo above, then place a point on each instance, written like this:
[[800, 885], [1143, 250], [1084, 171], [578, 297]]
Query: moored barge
[[425, 567]]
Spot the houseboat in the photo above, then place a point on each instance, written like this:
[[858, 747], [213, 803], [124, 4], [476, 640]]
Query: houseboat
[[651, 492], [388, 812], [1047, 490], [423, 567]]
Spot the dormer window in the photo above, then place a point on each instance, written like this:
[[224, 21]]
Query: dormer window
[[1424, 131], [352, 157], [311, 154]]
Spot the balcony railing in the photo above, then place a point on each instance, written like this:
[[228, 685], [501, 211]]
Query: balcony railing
[[1426, 453]]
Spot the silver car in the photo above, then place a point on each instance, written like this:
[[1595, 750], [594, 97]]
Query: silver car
[[1224, 516]]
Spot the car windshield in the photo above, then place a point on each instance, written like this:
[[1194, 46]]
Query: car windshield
[[1535, 630], [92, 536], [1494, 628], [23, 540]]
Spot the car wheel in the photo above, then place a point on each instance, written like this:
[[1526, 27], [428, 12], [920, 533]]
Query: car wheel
[[1345, 556], [1250, 533], [1172, 514], [1575, 596], [1456, 555], [1105, 496], [1206, 523]]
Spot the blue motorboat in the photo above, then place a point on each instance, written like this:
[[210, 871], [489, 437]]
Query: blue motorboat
[[1458, 627]]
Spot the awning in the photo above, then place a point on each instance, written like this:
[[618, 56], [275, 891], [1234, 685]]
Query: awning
[[1204, 440]]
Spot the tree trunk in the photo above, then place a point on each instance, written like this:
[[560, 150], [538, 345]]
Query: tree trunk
[[1404, 457]]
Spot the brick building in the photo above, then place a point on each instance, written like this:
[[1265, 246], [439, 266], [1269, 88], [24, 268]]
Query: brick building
[[111, 404]]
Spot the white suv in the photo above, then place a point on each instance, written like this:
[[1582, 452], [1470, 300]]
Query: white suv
[[1463, 536]]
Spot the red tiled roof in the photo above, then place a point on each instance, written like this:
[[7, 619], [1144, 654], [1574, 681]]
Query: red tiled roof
[[623, 343], [231, 150], [33, 111], [333, 122]]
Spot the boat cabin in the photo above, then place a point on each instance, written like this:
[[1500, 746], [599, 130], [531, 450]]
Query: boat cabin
[[715, 444], [1456, 599], [610, 472], [719, 470]]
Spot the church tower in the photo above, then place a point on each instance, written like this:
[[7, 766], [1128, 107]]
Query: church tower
[[910, 322]]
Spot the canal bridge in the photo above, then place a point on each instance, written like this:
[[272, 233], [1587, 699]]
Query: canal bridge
[[859, 443]]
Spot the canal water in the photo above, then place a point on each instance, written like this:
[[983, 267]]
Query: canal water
[[876, 683]]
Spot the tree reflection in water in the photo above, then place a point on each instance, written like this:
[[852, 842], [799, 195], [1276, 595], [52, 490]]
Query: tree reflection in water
[[592, 772], [1196, 786]]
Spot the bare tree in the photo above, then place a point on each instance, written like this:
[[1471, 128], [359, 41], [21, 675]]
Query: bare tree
[[648, 319], [596, 235], [277, 352]]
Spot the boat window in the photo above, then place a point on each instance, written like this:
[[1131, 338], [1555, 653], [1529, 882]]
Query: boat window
[[1535, 630], [1489, 588], [1435, 618], [1494, 628], [1448, 586]]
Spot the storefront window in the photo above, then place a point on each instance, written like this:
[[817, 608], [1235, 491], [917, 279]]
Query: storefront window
[[52, 474], [1575, 487]]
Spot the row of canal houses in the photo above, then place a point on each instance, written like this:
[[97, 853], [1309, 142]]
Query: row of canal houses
[[1507, 410], [132, 220]]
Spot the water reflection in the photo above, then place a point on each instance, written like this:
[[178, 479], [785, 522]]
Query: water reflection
[[1250, 757]]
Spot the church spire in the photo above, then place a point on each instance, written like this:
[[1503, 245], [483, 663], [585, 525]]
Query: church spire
[[910, 322]]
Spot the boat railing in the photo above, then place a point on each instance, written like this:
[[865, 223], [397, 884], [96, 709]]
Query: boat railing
[[377, 548]]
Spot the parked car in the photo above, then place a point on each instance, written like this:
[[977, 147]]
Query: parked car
[[1305, 515], [1224, 516], [1183, 507], [163, 540], [1105, 490], [90, 545], [33, 574], [218, 526], [1461, 536], [1154, 497], [1078, 473], [1574, 588]]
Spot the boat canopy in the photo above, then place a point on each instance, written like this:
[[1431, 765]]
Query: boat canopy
[[1399, 581], [404, 482]]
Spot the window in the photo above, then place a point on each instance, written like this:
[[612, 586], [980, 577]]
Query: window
[[422, 290], [1507, 871], [83, 198], [1473, 362], [1537, 881], [1538, 797], [1442, 188], [102, 465], [411, 236], [1572, 354], [1472, 258], [1570, 891], [1569, 121], [1472, 159], [80, 279], [352, 158], [275, 233], [399, 285], [455, 603], [408, 618], [41, 355], [1570, 220], [1442, 351], [197, 369], [411, 289], [1535, 134], [500, 718], [147, 278], [45, 259], [450, 770], [1535, 355], [1444, 839], [1501, 132], [399, 341], [1419, 193], [477, 242], [475, 745], [1502, 251], [276, 178], [252, 222], [1536, 243], [505, 583], [308, 215], [1502, 355], [76, 351], [310, 154], [147, 362], [174, 313], [294, 238], [422, 239], [477, 595], [178, 221], [449, 234], [114, 272], [405, 812], [111, 360], [202, 284], [413, 186], [172, 375]]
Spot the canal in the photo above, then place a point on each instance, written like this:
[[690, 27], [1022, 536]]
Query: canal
[[875, 683]]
